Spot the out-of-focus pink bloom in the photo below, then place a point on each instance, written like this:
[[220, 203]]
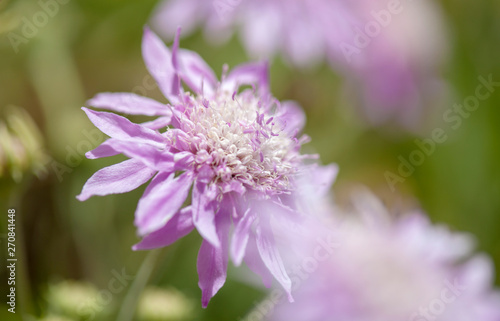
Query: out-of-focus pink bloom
[[391, 49], [294, 28], [386, 269], [234, 148], [394, 51]]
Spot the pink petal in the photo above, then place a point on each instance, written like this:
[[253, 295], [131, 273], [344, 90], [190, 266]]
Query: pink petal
[[262, 32], [292, 116], [204, 213], [158, 123], [151, 156], [161, 200], [304, 44], [121, 128], [212, 260], [180, 139], [130, 103], [248, 74], [271, 257], [158, 60], [323, 177], [169, 15], [183, 160], [196, 73], [180, 225], [115, 179], [233, 186], [103, 150], [255, 263], [240, 238]]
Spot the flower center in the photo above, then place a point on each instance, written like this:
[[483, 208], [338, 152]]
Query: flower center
[[240, 138]]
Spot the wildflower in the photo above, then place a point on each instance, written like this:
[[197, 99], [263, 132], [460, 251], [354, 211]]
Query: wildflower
[[381, 47], [391, 269], [233, 147], [394, 59], [295, 29]]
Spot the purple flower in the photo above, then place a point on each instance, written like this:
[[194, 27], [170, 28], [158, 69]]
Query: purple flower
[[394, 58], [294, 28], [381, 46], [229, 143], [386, 269]]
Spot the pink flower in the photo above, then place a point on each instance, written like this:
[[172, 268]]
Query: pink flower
[[389, 50], [234, 148], [293, 28], [385, 269], [394, 51]]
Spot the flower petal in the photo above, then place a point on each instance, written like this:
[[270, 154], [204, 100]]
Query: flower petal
[[169, 15], [161, 200], [271, 257], [255, 263], [261, 34], [212, 260], [292, 117], [158, 60], [323, 178], [158, 123], [130, 103], [120, 127], [103, 150], [152, 157], [115, 179], [196, 73], [204, 212], [180, 225], [314, 183], [304, 44], [248, 74], [240, 238]]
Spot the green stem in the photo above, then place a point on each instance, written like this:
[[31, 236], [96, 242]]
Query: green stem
[[129, 304]]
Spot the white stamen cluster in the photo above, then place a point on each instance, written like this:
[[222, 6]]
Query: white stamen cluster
[[240, 138]]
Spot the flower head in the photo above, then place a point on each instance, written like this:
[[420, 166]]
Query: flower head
[[296, 29], [238, 141], [392, 270], [381, 46], [229, 143]]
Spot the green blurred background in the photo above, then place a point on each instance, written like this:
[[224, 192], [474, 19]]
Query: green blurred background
[[68, 251]]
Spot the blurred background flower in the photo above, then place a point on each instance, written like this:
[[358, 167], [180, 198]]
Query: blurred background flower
[[51, 66], [388, 55], [389, 266], [21, 146], [157, 304], [68, 298]]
